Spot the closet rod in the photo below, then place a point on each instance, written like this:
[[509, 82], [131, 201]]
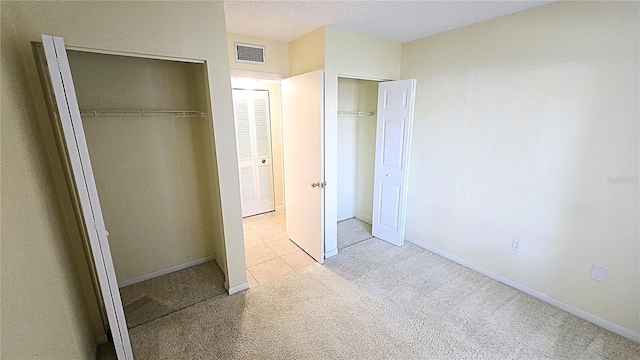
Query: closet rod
[[356, 113], [143, 113]]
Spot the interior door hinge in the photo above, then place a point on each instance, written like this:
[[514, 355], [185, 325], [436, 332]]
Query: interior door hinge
[[321, 185], [58, 65]]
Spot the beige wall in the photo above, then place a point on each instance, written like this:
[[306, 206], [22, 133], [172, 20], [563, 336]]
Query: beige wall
[[524, 126], [356, 55], [307, 53], [43, 308], [115, 82], [276, 54], [150, 172], [348, 54], [275, 106], [356, 146]]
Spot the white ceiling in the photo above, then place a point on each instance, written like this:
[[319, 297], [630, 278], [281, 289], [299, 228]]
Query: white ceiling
[[399, 21]]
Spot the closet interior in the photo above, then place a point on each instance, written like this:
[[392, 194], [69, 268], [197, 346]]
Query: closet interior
[[150, 144], [357, 102]]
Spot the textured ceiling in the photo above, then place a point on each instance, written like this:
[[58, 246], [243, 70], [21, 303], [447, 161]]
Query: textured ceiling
[[399, 21]]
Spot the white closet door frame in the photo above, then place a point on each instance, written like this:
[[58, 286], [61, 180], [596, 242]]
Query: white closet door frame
[[81, 171], [396, 237]]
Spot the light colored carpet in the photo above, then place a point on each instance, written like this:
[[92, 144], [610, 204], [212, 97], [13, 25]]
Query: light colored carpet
[[165, 294], [378, 301], [352, 231]]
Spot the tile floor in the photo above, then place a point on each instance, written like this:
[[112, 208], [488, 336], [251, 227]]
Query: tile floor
[[269, 253]]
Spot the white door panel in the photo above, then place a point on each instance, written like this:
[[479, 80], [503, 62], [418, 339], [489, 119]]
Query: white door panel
[[76, 156], [303, 149], [393, 143], [393, 139], [389, 211]]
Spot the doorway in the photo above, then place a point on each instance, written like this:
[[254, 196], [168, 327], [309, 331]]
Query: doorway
[[268, 251], [255, 160], [267, 138], [357, 102]]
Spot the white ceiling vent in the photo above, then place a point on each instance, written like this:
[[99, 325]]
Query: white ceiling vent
[[250, 54]]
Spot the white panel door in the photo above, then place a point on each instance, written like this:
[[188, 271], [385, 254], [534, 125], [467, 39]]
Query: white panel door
[[76, 155], [253, 138], [393, 140], [303, 149]]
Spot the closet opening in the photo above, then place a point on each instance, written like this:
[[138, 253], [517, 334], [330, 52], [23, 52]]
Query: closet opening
[[149, 138], [356, 143]]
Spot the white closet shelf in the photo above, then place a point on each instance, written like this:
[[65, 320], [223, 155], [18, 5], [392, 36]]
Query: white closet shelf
[[143, 113], [356, 113]]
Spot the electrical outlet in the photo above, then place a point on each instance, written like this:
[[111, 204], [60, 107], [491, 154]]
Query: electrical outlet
[[598, 272], [516, 245]]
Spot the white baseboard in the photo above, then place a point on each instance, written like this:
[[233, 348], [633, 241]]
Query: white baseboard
[[215, 258], [102, 339], [238, 288], [224, 272], [168, 270], [615, 328], [281, 207], [331, 253]]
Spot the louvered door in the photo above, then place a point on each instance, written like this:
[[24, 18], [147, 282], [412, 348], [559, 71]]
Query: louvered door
[[253, 138]]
